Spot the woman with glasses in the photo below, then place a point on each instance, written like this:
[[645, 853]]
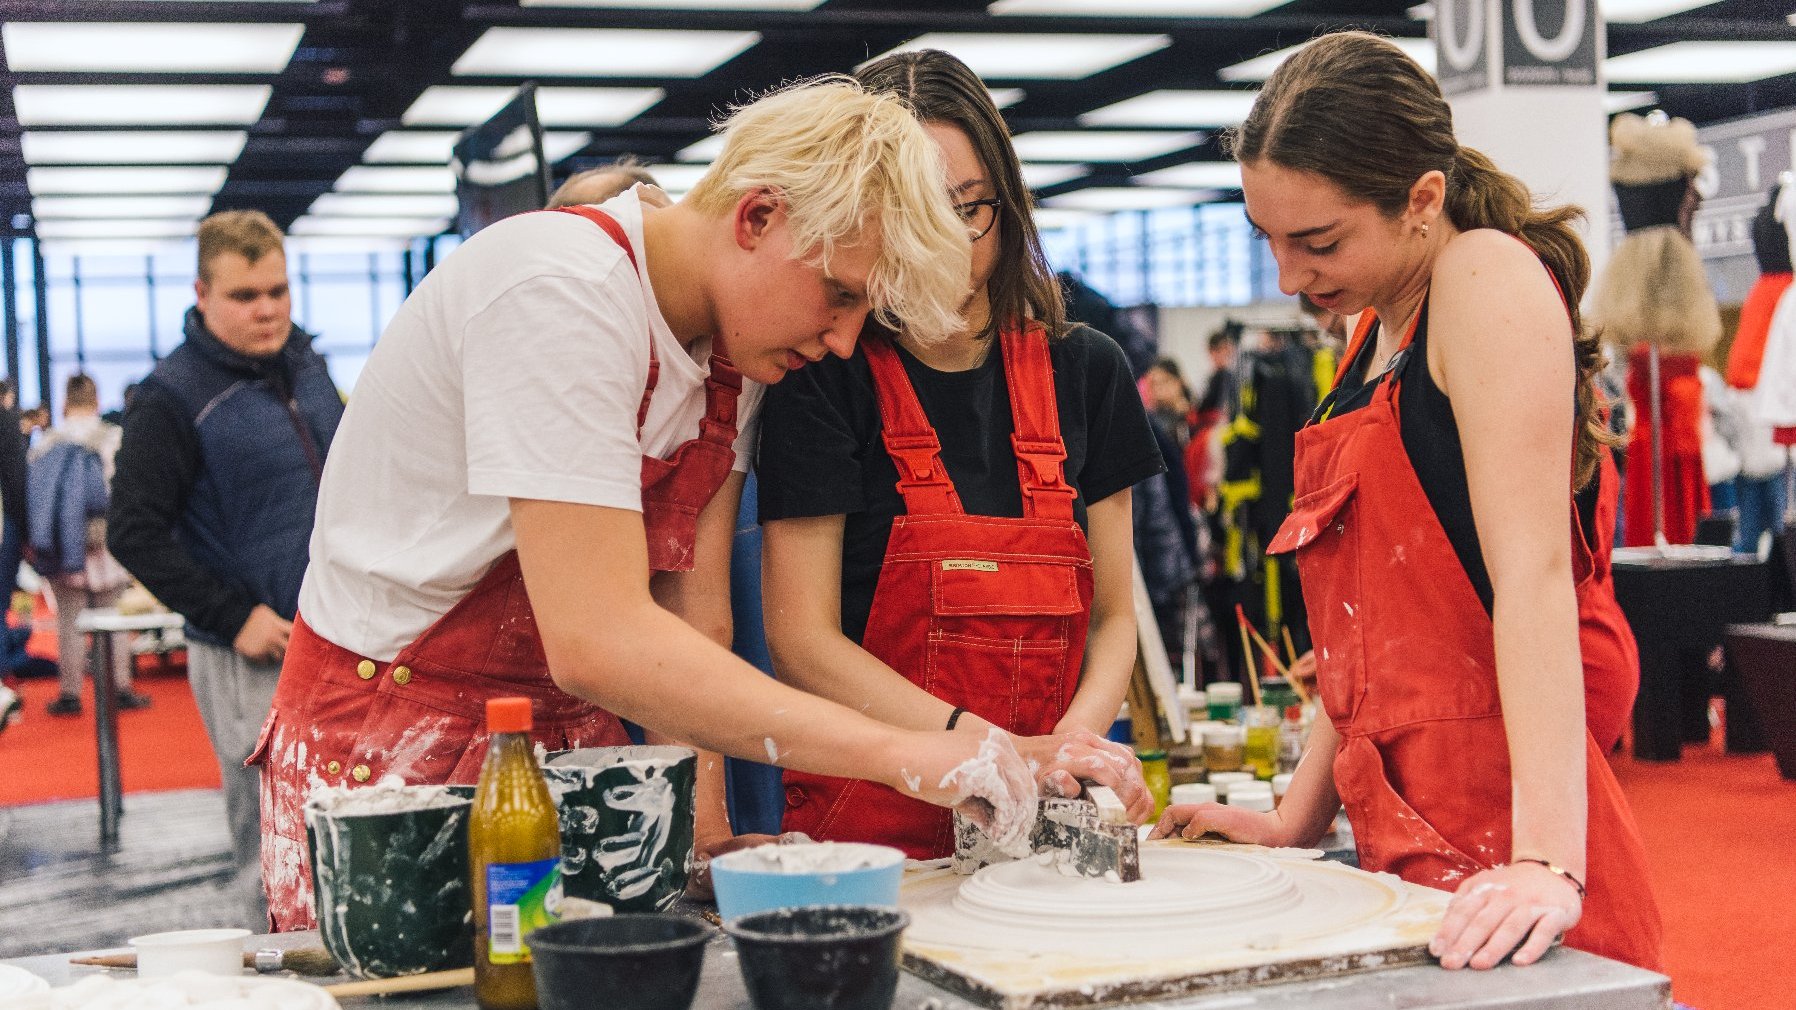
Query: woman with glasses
[[947, 522]]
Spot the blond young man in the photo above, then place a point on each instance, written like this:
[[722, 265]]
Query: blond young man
[[212, 501], [536, 482]]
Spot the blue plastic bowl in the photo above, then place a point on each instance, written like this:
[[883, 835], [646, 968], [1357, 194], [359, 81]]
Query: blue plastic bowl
[[808, 873]]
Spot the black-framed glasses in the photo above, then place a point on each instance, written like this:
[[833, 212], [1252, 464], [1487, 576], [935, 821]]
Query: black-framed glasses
[[979, 215]]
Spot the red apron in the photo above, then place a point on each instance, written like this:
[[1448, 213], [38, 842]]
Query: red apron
[[985, 612], [1406, 661], [342, 718]]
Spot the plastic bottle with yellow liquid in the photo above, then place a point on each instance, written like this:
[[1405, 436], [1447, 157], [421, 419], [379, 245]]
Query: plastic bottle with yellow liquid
[[514, 856]]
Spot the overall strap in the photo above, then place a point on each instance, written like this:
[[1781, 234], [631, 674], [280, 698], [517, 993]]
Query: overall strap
[[1035, 414], [611, 227], [722, 386], [1405, 353], [909, 438]]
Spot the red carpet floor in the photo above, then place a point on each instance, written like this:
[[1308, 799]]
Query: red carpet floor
[[1720, 833], [160, 747]]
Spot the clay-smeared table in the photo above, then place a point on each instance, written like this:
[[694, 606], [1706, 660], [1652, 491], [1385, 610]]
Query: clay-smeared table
[[1563, 980]]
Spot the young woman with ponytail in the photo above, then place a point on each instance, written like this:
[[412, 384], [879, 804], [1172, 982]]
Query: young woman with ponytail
[[1473, 666]]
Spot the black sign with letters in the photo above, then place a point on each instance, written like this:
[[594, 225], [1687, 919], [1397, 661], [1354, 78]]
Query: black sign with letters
[[1462, 45], [1549, 43]]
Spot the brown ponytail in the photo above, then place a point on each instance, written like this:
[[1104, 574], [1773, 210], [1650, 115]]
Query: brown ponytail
[[1398, 127]]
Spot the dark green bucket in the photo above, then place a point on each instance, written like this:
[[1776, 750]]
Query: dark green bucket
[[392, 887], [626, 823]]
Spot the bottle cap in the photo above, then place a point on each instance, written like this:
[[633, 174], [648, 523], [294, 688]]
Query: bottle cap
[[1151, 755], [1224, 690], [1281, 783], [1225, 781], [1250, 798], [1293, 713], [508, 715], [1194, 792]]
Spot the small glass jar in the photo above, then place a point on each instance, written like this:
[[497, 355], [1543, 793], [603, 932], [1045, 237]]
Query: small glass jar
[[1223, 700], [1223, 748], [1157, 777], [1261, 753]]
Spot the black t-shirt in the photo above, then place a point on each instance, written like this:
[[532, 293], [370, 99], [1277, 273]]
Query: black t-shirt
[[1431, 441], [821, 452]]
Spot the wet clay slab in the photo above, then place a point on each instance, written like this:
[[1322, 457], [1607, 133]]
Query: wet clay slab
[[1203, 918]]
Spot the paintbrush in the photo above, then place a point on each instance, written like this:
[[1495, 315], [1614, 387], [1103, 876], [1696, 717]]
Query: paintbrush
[[302, 961], [405, 983], [1253, 677]]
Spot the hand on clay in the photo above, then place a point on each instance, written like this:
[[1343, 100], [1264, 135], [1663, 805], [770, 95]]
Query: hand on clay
[[991, 787], [698, 882], [1062, 760], [1495, 910], [1194, 820]]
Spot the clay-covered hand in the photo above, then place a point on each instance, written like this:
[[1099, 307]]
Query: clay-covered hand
[[989, 784], [698, 882], [1237, 824], [1063, 760], [1498, 909]]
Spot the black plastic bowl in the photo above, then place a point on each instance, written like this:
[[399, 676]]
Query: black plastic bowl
[[649, 961], [824, 957]]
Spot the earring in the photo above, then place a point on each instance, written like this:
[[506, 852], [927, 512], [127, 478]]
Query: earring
[[1424, 229]]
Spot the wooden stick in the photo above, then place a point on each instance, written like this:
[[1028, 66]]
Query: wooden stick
[[404, 983], [1290, 650], [1253, 677]]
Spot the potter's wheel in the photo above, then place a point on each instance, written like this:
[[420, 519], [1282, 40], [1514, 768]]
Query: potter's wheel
[[1189, 897]]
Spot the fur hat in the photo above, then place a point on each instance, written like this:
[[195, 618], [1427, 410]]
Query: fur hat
[[1650, 150]]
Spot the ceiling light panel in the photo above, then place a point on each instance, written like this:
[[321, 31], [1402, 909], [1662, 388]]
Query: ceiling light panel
[[1703, 63], [433, 147], [705, 150], [117, 228], [385, 205], [1130, 198], [402, 227], [146, 47], [1636, 11], [57, 180], [1050, 218], [1103, 146], [1261, 67], [678, 178], [1137, 8], [133, 147], [1196, 175], [1040, 176], [1163, 109], [459, 105], [599, 52], [140, 104], [682, 5], [1038, 56], [1004, 98], [1622, 101], [54, 207], [395, 179]]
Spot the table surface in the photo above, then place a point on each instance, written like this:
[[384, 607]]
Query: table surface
[[109, 619], [1563, 979]]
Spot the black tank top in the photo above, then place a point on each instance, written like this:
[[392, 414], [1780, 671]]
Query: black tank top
[[1431, 441]]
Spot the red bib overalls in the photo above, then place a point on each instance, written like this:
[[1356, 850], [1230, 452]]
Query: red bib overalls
[[342, 718], [1406, 661], [985, 612]]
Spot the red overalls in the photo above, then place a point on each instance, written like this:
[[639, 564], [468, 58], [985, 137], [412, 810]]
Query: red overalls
[[1406, 661], [341, 718], [985, 612]]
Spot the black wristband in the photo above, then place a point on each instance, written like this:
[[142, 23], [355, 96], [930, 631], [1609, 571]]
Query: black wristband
[[954, 716]]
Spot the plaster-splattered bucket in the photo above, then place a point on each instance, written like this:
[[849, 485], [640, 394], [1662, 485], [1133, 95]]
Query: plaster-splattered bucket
[[390, 871], [626, 823]]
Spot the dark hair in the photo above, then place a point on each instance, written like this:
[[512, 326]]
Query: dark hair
[[1225, 337], [939, 88], [1355, 110], [80, 391]]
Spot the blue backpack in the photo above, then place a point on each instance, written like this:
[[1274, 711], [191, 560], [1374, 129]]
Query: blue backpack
[[64, 488]]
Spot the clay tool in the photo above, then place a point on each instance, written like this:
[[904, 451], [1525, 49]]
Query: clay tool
[[303, 961], [1089, 835], [425, 982], [1253, 677]]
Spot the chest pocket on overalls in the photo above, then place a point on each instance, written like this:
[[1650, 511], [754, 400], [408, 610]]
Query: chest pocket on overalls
[[999, 632], [1322, 532]]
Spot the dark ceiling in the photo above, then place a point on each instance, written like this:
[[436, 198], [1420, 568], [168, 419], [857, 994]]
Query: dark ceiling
[[361, 63]]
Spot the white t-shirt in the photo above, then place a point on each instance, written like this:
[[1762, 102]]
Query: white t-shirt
[[514, 371]]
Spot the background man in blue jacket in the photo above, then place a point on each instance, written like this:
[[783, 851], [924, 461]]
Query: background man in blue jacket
[[214, 494]]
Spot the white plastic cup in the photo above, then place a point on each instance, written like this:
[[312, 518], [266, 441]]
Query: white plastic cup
[[1226, 781], [1194, 792], [1251, 796], [214, 951]]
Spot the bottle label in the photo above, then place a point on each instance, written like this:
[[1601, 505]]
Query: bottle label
[[520, 898]]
